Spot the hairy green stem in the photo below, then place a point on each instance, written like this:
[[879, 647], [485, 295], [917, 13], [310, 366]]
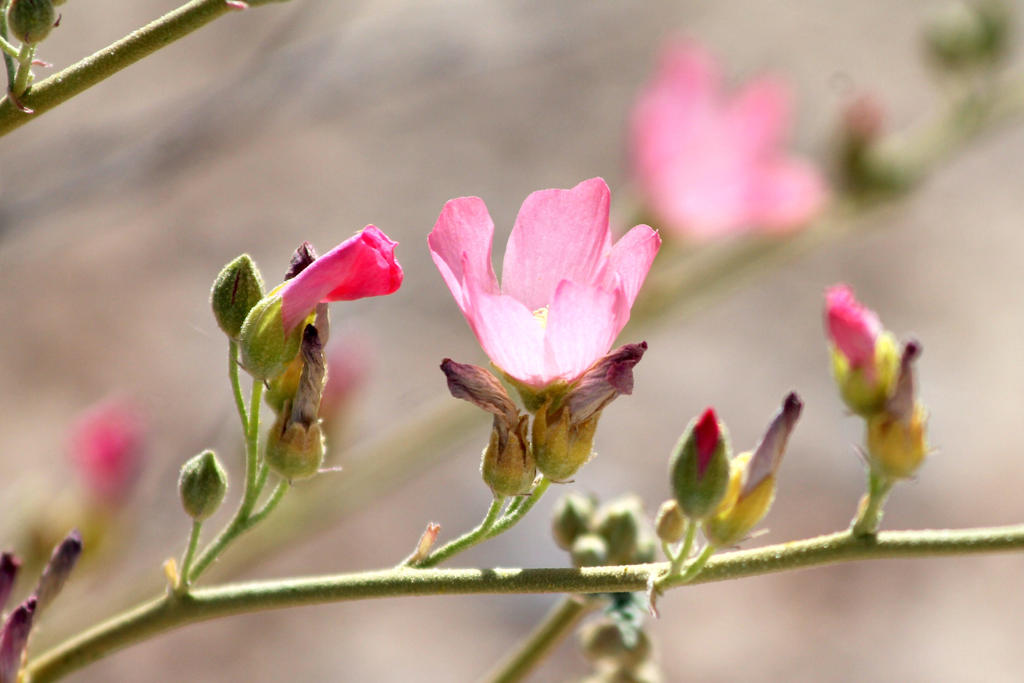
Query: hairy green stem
[[67, 83], [465, 541], [517, 512], [869, 513], [558, 623], [201, 604], [9, 65], [236, 386], [190, 553], [21, 77]]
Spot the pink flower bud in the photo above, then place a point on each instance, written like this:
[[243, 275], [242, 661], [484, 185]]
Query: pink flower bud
[[768, 454], [707, 436], [106, 445], [851, 327], [14, 638]]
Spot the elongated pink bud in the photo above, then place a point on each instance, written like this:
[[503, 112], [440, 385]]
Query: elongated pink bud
[[9, 564], [13, 639], [58, 569], [851, 327], [768, 455]]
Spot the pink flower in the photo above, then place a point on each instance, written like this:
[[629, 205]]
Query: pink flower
[[852, 328], [708, 165], [361, 266], [106, 444], [566, 291]]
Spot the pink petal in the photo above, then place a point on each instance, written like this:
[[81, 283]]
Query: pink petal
[[558, 234], [787, 195], [852, 327], [361, 266], [463, 234], [583, 321], [509, 334], [707, 435], [758, 117], [106, 444], [631, 258]]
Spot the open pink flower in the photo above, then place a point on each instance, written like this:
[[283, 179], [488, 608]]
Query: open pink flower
[[853, 328], [708, 165], [566, 291], [106, 444], [361, 266]]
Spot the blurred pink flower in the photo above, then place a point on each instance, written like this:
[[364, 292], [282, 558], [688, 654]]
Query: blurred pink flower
[[709, 165], [106, 444], [566, 291], [361, 266], [853, 328]]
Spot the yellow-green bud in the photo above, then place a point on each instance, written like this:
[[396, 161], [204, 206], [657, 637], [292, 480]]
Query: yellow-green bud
[[897, 447], [620, 524], [265, 348], [294, 450], [238, 288], [737, 515], [281, 389], [507, 465], [560, 446], [866, 395], [699, 466], [670, 524], [965, 34], [202, 485], [30, 21], [603, 640], [589, 550], [571, 518]]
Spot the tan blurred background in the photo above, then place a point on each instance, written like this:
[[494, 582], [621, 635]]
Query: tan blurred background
[[309, 120]]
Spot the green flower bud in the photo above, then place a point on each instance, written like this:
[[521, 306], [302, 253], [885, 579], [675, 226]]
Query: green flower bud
[[202, 485], [507, 465], [30, 21], [560, 446], [699, 466], [865, 391], [962, 35], [265, 348], [670, 524], [620, 524], [571, 518], [236, 290], [589, 550]]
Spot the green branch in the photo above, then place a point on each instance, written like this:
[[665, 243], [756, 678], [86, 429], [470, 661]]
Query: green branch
[[64, 85], [169, 611]]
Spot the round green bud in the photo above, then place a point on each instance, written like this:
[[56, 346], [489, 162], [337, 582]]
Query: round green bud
[[571, 518], [507, 465], [202, 485], [620, 523], [670, 524], [30, 21], [589, 550], [265, 349], [238, 288]]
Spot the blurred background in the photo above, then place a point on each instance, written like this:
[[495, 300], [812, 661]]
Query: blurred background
[[306, 121]]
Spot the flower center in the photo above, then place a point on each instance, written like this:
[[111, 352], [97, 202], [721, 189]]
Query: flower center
[[541, 316]]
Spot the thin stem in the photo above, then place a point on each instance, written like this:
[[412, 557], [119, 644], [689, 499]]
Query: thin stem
[[9, 48], [201, 604], [467, 540], [99, 66], [190, 552], [8, 58], [697, 565], [21, 78], [684, 553], [558, 623], [869, 513], [236, 386], [241, 521], [268, 507]]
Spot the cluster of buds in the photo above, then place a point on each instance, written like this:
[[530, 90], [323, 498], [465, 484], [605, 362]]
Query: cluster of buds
[[281, 334], [17, 624], [612, 534], [726, 496], [565, 417], [618, 650], [876, 381]]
